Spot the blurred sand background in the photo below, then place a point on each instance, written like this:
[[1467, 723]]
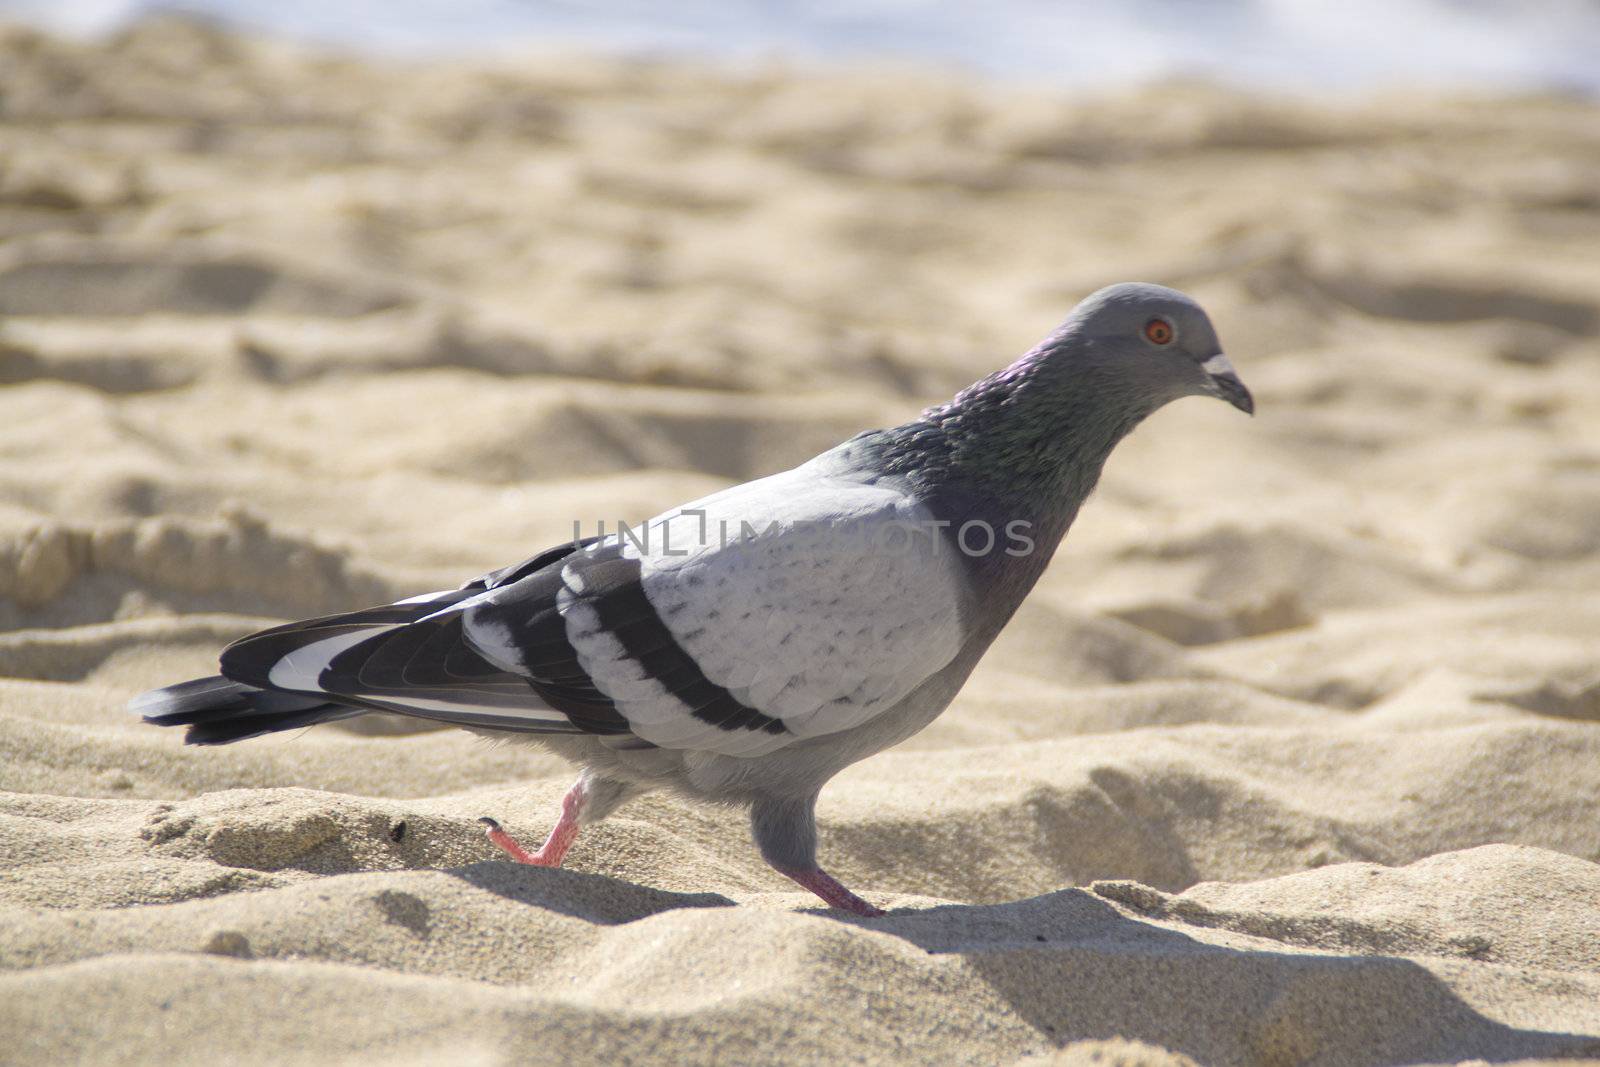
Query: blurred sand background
[[1293, 757]]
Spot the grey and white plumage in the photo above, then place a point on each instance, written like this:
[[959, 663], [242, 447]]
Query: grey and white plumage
[[746, 647]]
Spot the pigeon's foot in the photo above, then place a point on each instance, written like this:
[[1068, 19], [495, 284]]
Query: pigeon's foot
[[829, 889], [550, 854], [555, 847]]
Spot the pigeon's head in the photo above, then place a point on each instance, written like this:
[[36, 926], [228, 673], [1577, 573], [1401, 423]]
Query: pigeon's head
[[1154, 340]]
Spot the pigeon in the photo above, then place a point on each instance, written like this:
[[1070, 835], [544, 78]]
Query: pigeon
[[746, 647]]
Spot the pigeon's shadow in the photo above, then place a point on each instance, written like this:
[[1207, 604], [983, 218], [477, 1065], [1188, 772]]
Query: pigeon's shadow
[[1075, 968], [596, 898]]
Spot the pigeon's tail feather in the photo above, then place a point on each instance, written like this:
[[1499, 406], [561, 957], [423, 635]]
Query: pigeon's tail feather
[[411, 658], [408, 658], [218, 710]]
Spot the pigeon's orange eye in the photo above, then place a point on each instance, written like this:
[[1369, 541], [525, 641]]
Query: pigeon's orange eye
[[1158, 331]]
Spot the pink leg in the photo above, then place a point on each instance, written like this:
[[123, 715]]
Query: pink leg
[[828, 888], [564, 833]]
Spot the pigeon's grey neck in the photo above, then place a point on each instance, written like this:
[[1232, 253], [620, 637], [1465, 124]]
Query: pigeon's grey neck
[[1025, 444]]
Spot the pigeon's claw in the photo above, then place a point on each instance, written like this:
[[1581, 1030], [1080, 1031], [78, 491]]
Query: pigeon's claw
[[545, 857], [562, 835]]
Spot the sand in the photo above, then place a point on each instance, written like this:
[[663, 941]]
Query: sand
[[1290, 759]]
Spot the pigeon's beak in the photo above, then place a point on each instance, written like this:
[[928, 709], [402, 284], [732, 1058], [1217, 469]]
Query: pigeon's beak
[[1224, 384]]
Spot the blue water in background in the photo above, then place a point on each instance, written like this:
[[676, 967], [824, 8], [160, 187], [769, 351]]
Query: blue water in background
[[1282, 44]]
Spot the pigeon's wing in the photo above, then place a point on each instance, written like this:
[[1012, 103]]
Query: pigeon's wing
[[786, 608]]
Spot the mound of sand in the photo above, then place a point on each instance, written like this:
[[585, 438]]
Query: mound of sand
[[1290, 759]]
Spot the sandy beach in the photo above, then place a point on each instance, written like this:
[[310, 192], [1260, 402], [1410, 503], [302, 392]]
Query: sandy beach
[[1293, 757]]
